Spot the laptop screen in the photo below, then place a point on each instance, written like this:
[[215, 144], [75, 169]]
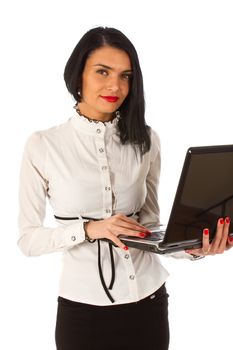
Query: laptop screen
[[204, 193]]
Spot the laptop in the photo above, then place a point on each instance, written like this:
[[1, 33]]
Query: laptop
[[204, 194]]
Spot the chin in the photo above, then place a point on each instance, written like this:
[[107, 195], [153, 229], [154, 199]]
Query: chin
[[108, 107], [108, 110]]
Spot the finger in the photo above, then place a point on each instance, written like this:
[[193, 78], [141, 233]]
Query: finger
[[205, 241], [218, 236], [128, 223], [116, 241], [230, 241], [121, 231], [133, 227], [223, 242]]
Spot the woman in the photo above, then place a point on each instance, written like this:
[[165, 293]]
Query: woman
[[100, 171]]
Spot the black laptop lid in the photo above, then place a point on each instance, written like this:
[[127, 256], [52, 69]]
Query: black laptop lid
[[204, 193]]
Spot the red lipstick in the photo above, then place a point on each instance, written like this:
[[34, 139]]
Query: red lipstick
[[110, 98]]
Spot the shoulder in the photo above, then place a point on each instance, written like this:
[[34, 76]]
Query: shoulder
[[33, 143], [155, 139], [155, 143], [38, 139]]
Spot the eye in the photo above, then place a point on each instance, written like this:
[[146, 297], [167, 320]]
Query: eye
[[102, 72], [127, 76]]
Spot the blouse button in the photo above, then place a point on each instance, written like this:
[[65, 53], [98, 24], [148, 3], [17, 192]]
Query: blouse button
[[98, 131], [108, 211], [104, 167], [73, 238], [101, 150], [107, 188], [132, 277], [126, 256]]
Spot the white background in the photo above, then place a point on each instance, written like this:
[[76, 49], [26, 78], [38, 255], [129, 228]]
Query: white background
[[186, 54]]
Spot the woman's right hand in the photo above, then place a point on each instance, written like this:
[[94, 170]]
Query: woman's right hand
[[115, 226]]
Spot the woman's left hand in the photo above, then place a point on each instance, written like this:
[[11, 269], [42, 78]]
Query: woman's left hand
[[221, 242]]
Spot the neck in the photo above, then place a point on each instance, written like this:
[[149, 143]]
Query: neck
[[100, 118]]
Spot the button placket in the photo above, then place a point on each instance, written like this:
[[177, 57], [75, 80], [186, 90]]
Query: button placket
[[105, 177], [100, 130], [130, 274]]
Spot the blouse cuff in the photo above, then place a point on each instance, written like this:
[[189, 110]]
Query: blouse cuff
[[75, 234]]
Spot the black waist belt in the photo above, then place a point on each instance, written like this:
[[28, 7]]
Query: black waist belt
[[106, 289]]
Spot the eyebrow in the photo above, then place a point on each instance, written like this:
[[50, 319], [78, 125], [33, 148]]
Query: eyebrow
[[107, 67]]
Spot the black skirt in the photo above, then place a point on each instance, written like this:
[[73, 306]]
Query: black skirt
[[137, 326]]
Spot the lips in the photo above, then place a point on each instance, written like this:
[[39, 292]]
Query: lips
[[110, 98]]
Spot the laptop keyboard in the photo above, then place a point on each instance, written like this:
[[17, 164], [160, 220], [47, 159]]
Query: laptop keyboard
[[155, 236]]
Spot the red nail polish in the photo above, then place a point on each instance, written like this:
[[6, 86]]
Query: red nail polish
[[126, 248], [221, 221], [141, 234], [227, 220], [206, 231], [148, 234], [231, 239]]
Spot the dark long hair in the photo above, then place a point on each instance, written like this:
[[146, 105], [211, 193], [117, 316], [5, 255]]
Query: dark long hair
[[131, 126]]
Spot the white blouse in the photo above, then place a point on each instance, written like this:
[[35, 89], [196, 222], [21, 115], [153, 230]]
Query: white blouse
[[85, 171]]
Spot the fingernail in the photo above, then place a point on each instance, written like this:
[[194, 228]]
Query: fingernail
[[126, 248], [221, 221], [206, 231], [230, 239], [227, 220], [141, 234]]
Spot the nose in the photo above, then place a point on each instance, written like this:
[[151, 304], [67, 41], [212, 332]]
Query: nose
[[113, 84]]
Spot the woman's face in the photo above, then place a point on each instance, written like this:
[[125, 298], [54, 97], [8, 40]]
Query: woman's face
[[105, 82]]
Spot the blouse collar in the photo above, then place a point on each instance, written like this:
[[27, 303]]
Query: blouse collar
[[92, 127]]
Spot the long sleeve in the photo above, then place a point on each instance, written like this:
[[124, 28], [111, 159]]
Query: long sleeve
[[35, 239], [149, 213]]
